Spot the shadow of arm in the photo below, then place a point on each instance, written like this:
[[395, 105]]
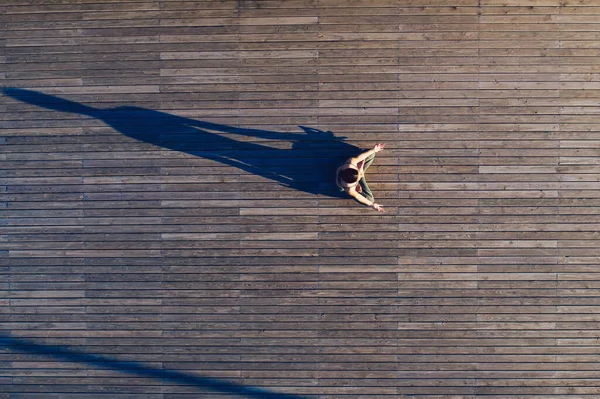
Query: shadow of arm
[[259, 133]]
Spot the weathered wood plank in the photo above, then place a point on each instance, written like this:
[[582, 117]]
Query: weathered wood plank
[[479, 280]]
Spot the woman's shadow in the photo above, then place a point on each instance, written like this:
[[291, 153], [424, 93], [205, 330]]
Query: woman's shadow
[[309, 165]]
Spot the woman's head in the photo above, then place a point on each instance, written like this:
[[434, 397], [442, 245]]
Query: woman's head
[[349, 175]]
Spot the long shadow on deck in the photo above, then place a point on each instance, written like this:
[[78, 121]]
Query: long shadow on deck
[[309, 165], [213, 384]]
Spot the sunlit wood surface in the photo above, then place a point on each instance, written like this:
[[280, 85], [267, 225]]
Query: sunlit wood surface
[[480, 280]]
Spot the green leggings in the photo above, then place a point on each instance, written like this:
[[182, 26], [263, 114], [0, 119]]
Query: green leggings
[[366, 192]]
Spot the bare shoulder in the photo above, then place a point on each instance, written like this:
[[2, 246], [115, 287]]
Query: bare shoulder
[[345, 165], [352, 161], [351, 191]]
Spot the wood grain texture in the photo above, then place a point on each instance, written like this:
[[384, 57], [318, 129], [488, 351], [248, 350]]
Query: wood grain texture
[[480, 280]]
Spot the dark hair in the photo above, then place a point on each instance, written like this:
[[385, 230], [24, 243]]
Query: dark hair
[[349, 175]]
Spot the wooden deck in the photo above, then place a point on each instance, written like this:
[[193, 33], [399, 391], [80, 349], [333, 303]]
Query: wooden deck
[[134, 269]]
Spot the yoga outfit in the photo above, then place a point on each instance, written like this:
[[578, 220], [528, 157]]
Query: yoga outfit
[[366, 192]]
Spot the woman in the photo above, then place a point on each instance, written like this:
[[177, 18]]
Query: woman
[[350, 177]]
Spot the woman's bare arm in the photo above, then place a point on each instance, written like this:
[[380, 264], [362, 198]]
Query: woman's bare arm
[[361, 157], [360, 198]]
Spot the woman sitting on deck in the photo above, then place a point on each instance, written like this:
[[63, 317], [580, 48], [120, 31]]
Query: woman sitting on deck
[[350, 177]]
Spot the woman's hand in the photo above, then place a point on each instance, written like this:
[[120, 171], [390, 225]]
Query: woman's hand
[[379, 147], [377, 207]]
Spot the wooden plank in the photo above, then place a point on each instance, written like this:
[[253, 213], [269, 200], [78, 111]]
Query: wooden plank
[[479, 280]]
